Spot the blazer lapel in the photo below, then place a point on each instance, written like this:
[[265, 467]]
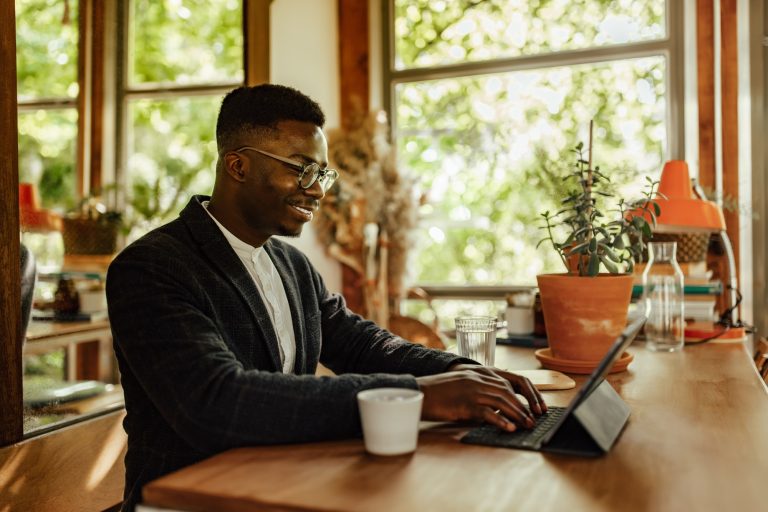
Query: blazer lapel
[[221, 255], [294, 301]]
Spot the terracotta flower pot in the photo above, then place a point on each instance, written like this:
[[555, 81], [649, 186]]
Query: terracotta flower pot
[[584, 315]]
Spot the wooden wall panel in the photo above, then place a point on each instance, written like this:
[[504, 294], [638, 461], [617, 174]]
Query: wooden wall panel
[[10, 276], [705, 55], [353, 58], [729, 82], [97, 27], [75, 468], [354, 78], [256, 41]]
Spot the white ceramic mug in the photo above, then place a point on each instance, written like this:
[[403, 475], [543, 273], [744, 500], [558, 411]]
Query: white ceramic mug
[[93, 301], [519, 320], [390, 419]]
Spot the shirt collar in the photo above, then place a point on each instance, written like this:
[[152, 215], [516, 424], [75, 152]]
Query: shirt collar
[[240, 247]]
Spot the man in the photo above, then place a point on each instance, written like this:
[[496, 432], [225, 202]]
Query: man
[[218, 327]]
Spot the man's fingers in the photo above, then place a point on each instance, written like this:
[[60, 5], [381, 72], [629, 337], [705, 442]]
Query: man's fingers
[[474, 394], [494, 418], [526, 388], [510, 407], [514, 383]]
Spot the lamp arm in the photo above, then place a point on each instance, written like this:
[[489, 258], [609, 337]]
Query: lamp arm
[[697, 189], [732, 281]]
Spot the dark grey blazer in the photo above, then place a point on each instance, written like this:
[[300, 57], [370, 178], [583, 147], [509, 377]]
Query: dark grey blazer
[[199, 358]]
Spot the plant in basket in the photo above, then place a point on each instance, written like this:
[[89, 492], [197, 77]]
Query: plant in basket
[[91, 229], [586, 309]]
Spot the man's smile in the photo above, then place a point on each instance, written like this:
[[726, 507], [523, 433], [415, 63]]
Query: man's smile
[[305, 210]]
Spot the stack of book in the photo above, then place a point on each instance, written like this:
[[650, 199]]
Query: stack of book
[[701, 292]]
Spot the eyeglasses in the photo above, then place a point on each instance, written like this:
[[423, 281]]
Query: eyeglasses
[[308, 173]]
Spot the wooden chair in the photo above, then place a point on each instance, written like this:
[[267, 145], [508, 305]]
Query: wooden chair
[[28, 278], [415, 330], [761, 358]]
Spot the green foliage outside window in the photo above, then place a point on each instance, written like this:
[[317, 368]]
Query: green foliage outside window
[[46, 62], [186, 41], [172, 154], [439, 32], [46, 48], [486, 146], [47, 154], [483, 147], [171, 142]]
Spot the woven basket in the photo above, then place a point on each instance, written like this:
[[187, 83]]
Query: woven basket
[[691, 247], [89, 236]]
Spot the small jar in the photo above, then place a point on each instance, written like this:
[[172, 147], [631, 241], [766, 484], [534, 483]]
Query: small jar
[[539, 328], [519, 313], [66, 300]]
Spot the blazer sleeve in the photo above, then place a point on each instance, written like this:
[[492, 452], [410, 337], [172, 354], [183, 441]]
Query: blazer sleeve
[[175, 364]]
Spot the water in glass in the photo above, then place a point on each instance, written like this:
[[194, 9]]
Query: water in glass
[[476, 337]]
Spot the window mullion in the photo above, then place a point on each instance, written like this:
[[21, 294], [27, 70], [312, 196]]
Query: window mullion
[[548, 60], [46, 104], [168, 91]]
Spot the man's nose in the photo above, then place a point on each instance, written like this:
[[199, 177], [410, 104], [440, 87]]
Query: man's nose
[[316, 190]]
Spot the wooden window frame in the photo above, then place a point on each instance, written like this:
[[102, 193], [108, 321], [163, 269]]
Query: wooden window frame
[[87, 167], [11, 412]]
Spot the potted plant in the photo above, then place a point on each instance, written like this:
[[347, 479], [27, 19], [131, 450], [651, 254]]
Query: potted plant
[[584, 309]]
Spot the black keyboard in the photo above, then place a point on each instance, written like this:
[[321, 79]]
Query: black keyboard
[[521, 438], [544, 423]]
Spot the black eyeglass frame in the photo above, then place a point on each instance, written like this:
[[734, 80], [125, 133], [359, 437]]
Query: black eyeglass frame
[[326, 177]]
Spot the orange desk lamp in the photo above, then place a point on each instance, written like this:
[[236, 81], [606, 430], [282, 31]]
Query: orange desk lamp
[[685, 209]]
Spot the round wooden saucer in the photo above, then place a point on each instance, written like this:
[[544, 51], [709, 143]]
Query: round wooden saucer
[[547, 360]]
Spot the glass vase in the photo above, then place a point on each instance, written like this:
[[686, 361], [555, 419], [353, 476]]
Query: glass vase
[[663, 296]]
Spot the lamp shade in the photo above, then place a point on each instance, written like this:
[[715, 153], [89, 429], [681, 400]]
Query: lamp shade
[[681, 210], [28, 197], [31, 216]]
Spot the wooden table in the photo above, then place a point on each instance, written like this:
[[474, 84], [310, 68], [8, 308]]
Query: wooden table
[[697, 439], [88, 346]]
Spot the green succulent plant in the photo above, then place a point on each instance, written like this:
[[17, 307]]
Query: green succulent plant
[[591, 238]]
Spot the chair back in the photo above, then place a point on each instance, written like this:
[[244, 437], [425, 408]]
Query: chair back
[[761, 358], [28, 278]]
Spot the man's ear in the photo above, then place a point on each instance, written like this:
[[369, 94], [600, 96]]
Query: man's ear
[[235, 165]]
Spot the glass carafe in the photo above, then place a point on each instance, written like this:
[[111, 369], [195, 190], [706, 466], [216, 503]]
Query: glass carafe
[[663, 296]]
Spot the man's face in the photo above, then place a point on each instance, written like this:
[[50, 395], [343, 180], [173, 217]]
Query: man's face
[[270, 200]]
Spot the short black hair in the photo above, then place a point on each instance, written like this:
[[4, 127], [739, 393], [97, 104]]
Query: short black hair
[[259, 108]]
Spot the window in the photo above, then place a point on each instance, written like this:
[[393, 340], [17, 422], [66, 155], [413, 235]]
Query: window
[[47, 80], [487, 97], [180, 58], [175, 59]]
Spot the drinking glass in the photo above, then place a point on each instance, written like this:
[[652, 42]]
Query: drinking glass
[[476, 337]]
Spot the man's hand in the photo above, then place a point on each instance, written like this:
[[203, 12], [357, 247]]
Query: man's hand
[[481, 393]]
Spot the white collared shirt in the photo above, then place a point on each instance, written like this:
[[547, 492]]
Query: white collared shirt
[[270, 286]]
